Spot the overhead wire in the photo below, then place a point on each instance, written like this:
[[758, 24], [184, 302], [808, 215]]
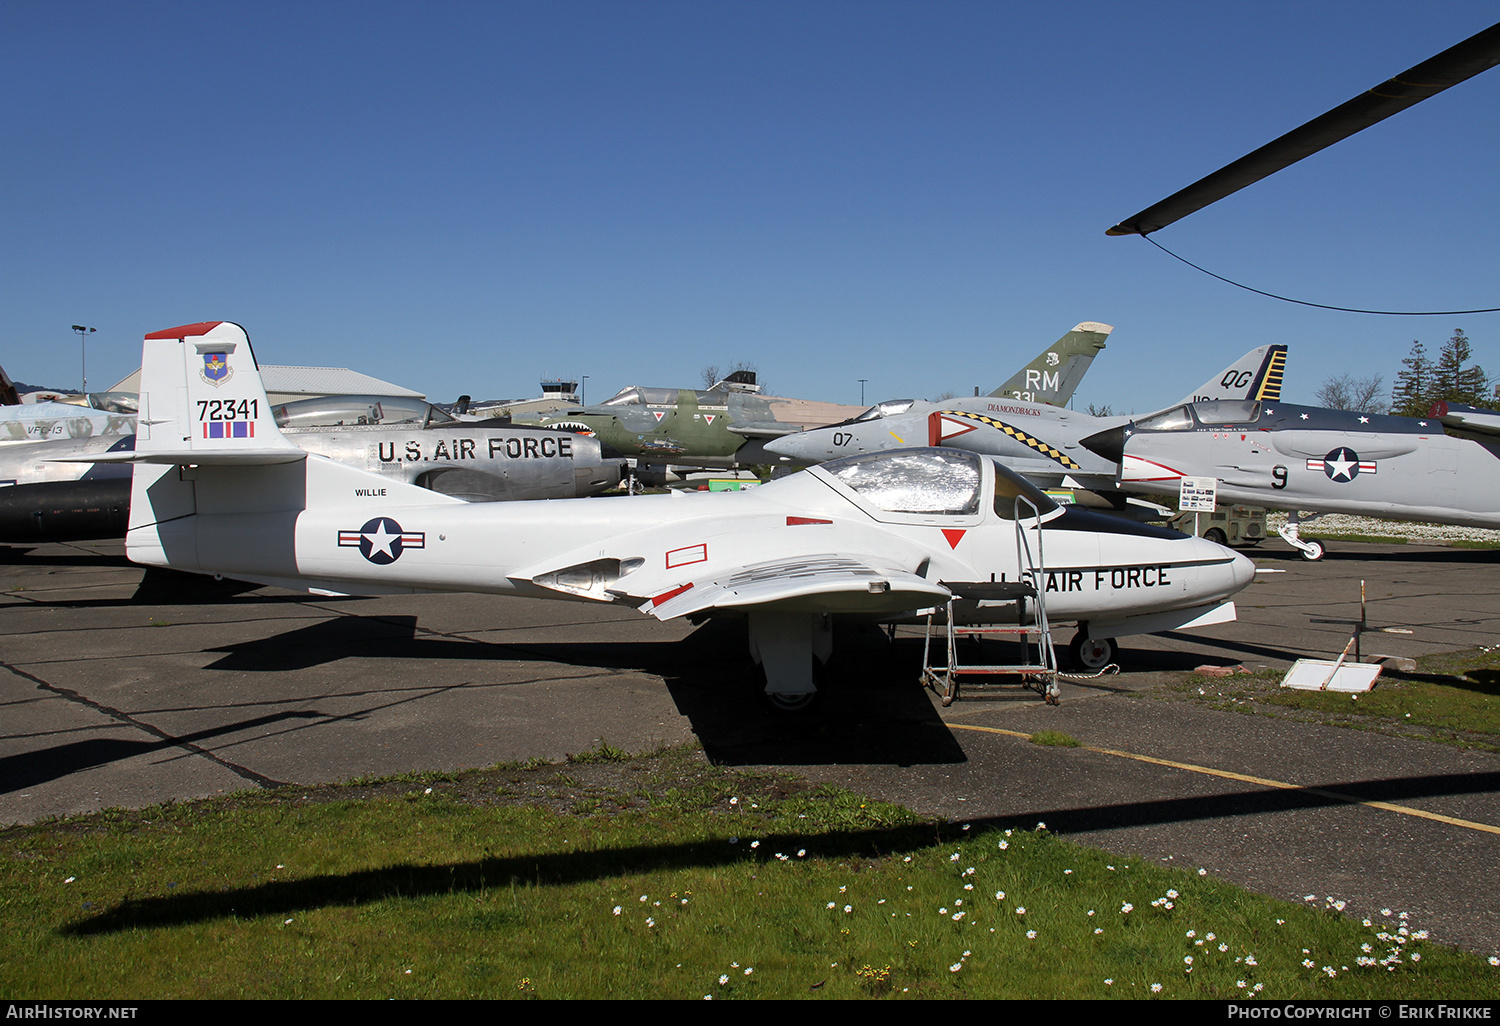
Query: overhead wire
[[1320, 306]]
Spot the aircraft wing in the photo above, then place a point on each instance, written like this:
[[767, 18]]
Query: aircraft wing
[[834, 583], [764, 429], [1466, 419]]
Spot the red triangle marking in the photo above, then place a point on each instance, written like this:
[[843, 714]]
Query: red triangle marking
[[954, 536]]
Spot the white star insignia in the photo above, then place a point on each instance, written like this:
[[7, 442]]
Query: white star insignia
[[1364, 420], [1304, 416], [1341, 467], [380, 541]]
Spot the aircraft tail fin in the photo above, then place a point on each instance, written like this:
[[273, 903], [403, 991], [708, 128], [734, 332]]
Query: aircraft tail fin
[[8, 394], [217, 487], [202, 400], [1256, 375], [1054, 375]]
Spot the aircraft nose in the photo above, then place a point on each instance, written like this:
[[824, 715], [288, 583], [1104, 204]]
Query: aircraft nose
[[1109, 444], [799, 446], [1226, 578], [1244, 571]]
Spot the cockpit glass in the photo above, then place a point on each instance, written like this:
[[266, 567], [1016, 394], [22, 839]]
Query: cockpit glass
[[628, 396], [1173, 420], [1227, 411], [635, 395], [355, 410], [128, 403], [930, 481], [889, 408]]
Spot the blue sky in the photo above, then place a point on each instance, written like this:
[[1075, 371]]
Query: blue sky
[[466, 197]]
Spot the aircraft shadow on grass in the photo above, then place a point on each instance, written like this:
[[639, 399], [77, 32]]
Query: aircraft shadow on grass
[[354, 889]]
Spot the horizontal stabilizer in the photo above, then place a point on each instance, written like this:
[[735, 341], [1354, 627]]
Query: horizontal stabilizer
[[186, 458], [1466, 419]]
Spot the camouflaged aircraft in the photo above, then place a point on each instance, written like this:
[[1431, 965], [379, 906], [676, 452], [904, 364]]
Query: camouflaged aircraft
[[879, 536], [1042, 442], [1306, 459], [728, 425], [44, 498]]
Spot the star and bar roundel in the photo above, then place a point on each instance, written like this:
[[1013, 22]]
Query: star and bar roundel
[[382, 540], [1342, 464], [936, 433]]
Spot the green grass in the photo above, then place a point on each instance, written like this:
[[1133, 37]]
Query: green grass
[[692, 881], [1453, 698], [1054, 738]]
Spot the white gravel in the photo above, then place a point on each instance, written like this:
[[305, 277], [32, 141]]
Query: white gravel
[[1335, 524]]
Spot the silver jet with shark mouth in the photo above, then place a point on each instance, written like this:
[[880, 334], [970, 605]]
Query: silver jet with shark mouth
[[881, 536]]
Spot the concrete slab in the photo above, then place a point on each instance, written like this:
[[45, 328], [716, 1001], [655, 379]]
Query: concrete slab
[[115, 693]]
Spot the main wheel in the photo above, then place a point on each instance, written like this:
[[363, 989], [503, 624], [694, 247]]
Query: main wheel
[[783, 701], [1091, 653], [1313, 552]]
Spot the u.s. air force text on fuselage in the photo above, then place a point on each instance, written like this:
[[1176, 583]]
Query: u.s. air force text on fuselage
[[531, 447]]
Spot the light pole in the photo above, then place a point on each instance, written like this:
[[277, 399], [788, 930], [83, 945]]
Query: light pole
[[583, 396], [862, 390], [83, 334]]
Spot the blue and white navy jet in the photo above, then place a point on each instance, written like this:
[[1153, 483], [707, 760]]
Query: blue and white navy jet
[[1306, 459]]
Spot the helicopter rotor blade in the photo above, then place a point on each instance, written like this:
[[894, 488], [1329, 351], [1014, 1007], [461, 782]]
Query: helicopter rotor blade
[[1478, 53]]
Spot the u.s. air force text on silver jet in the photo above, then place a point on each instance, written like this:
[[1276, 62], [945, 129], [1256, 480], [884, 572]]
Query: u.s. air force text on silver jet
[[46, 496]]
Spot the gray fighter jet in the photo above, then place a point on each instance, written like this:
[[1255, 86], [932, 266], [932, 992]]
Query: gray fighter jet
[[1042, 442], [1302, 458]]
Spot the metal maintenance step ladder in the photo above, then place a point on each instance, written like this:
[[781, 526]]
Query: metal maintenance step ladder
[[1039, 674]]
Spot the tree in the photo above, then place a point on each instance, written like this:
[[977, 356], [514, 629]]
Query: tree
[[1452, 381], [1409, 394], [1345, 392], [1449, 378], [712, 377]]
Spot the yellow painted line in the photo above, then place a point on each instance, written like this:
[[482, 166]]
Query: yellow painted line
[[896, 436], [1405, 810]]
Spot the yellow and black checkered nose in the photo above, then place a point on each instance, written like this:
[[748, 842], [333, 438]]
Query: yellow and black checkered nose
[[1029, 440]]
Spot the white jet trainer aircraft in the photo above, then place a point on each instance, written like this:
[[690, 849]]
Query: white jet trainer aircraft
[[218, 489]]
